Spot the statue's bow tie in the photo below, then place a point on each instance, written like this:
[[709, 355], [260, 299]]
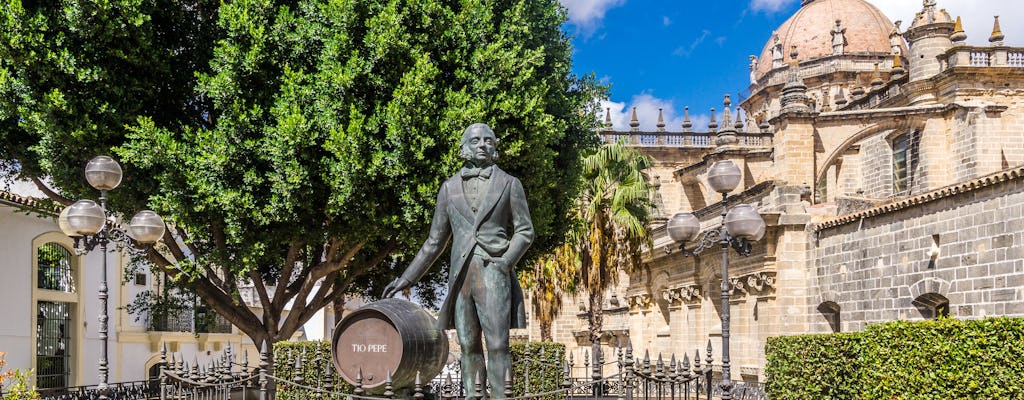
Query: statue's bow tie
[[469, 172]]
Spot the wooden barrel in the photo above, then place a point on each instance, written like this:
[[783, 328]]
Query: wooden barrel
[[390, 335]]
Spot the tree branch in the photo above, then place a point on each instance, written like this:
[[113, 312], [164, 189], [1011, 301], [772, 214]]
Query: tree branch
[[49, 192], [172, 244], [286, 275], [185, 239], [242, 317]]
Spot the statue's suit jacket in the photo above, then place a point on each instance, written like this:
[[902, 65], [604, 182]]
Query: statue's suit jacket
[[501, 227]]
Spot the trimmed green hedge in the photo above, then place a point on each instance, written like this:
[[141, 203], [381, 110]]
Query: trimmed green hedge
[[540, 366], [543, 362], [934, 359], [316, 354]]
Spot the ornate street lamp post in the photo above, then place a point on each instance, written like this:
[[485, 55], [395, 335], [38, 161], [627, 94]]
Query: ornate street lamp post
[[740, 225], [90, 224]]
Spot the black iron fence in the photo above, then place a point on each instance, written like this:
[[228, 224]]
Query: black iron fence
[[115, 391], [229, 377]]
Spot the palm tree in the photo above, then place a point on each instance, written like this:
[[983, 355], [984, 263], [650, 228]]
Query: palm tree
[[614, 207], [551, 276]]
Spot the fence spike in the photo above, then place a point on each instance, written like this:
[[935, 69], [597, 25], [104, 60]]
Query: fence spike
[[629, 355], [645, 366], [446, 388], [263, 365], [686, 366], [566, 375], [659, 368], [328, 375], [478, 387], [163, 365], [696, 360], [297, 372], [359, 382], [418, 388], [211, 370], [508, 383], [586, 360], [673, 368], [388, 389], [709, 359], [181, 365]]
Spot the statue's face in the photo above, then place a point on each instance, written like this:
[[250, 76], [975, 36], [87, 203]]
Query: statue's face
[[479, 145]]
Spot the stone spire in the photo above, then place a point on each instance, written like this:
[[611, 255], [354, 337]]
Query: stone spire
[[959, 36], [634, 124], [608, 119], [876, 78], [687, 125], [997, 34], [897, 66], [794, 93], [661, 121], [713, 125], [739, 120], [840, 98], [727, 131]]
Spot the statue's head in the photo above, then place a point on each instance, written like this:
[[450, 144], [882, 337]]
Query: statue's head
[[479, 145]]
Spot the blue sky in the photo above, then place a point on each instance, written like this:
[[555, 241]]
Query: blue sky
[[671, 54]]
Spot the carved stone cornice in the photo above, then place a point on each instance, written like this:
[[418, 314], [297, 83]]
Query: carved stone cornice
[[757, 284], [686, 294], [639, 302]]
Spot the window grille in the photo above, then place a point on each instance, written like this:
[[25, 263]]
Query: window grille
[[53, 342], [54, 268], [899, 163]]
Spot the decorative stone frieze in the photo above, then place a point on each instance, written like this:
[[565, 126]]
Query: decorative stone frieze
[[686, 294], [639, 301], [757, 284]]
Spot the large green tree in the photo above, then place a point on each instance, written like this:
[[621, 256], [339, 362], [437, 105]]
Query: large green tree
[[290, 142]]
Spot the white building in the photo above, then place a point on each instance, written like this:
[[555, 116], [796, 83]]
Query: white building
[[49, 321]]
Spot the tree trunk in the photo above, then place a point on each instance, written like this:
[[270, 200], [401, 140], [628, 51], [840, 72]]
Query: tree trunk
[[596, 317], [338, 304], [545, 331]]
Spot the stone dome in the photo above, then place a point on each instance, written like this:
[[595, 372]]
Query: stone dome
[[810, 29]]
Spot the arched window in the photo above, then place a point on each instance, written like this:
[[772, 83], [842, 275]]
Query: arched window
[[904, 161], [932, 305], [55, 309], [54, 268], [830, 310]]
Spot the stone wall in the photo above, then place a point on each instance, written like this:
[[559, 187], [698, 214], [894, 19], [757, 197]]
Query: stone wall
[[874, 268]]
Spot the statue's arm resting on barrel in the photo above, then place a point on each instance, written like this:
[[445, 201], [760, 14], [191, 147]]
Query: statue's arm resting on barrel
[[522, 226], [437, 240]]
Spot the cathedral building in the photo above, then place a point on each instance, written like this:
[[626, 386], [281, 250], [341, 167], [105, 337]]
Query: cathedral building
[[888, 163]]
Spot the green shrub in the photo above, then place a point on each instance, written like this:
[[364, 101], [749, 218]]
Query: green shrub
[[539, 365], [813, 367], [944, 359], [317, 359], [935, 359]]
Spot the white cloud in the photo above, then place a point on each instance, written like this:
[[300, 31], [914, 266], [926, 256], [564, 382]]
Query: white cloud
[[665, 20], [976, 16], [587, 15], [686, 51], [771, 6], [647, 114]]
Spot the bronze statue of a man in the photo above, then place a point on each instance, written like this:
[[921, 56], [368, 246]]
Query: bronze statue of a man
[[483, 210]]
